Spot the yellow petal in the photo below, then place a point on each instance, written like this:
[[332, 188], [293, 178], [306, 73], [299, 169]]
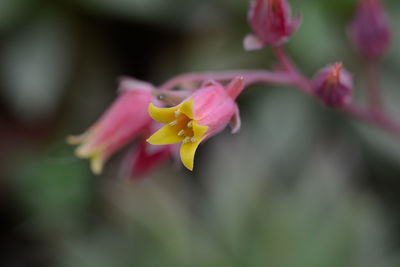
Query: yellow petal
[[96, 156], [163, 115], [187, 153], [199, 130], [84, 151], [97, 164], [187, 108], [166, 135]]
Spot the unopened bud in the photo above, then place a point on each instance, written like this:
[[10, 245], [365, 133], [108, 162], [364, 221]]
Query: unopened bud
[[333, 86], [369, 31], [271, 22]]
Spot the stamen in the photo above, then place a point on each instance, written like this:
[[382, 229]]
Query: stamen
[[173, 123], [194, 140], [190, 124], [186, 140], [181, 133], [177, 113]]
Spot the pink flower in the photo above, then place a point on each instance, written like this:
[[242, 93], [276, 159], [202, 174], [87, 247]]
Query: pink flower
[[333, 86], [145, 157], [369, 31], [202, 115], [126, 119], [271, 22]]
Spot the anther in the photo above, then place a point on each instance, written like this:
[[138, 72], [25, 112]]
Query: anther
[[190, 124], [173, 123], [186, 140], [181, 133], [177, 113]]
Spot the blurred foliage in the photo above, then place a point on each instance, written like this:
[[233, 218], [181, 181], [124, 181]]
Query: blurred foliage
[[300, 185]]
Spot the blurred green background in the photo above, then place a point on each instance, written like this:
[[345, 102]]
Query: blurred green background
[[300, 185]]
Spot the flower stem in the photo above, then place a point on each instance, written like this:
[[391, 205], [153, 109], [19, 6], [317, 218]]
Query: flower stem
[[286, 61], [377, 118], [373, 90], [299, 78], [250, 77], [373, 114]]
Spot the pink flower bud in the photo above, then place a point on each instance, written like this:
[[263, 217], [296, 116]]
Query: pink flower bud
[[271, 22], [145, 157], [205, 113], [369, 32], [123, 121], [333, 86]]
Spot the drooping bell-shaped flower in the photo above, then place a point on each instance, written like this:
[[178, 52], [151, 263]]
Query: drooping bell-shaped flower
[[205, 113], [333, 86], [124, 120], [369, 32], [271, 22]]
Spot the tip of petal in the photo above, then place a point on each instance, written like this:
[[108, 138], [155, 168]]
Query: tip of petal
[[187, 154], [74, 140], [295, 24], [187, 108], [83, 152], [97, 158], [235, 121], [189, 165], [97, 164], [252, 42], [163, 115]]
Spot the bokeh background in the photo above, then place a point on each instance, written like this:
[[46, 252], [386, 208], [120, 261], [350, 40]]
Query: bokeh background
[[300, 185]]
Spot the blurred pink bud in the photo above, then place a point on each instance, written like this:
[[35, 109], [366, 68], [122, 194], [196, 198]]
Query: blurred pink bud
[[271, 22], [144, 158], [333, 86], [123, 121], [369, 31], [205, 113]]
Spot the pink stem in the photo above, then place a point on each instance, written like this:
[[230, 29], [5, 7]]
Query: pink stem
[[299, 79], [373, 90], [285, 60], [250, 77], [377, 118]]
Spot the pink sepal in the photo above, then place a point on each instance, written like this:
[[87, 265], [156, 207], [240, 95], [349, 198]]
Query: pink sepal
[[235, 121], [252, 42]]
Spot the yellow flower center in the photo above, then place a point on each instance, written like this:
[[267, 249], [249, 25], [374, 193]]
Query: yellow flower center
[[180, 127], [184, 126]]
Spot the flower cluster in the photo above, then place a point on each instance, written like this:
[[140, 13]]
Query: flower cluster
[[167, 123], [138, 114]]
